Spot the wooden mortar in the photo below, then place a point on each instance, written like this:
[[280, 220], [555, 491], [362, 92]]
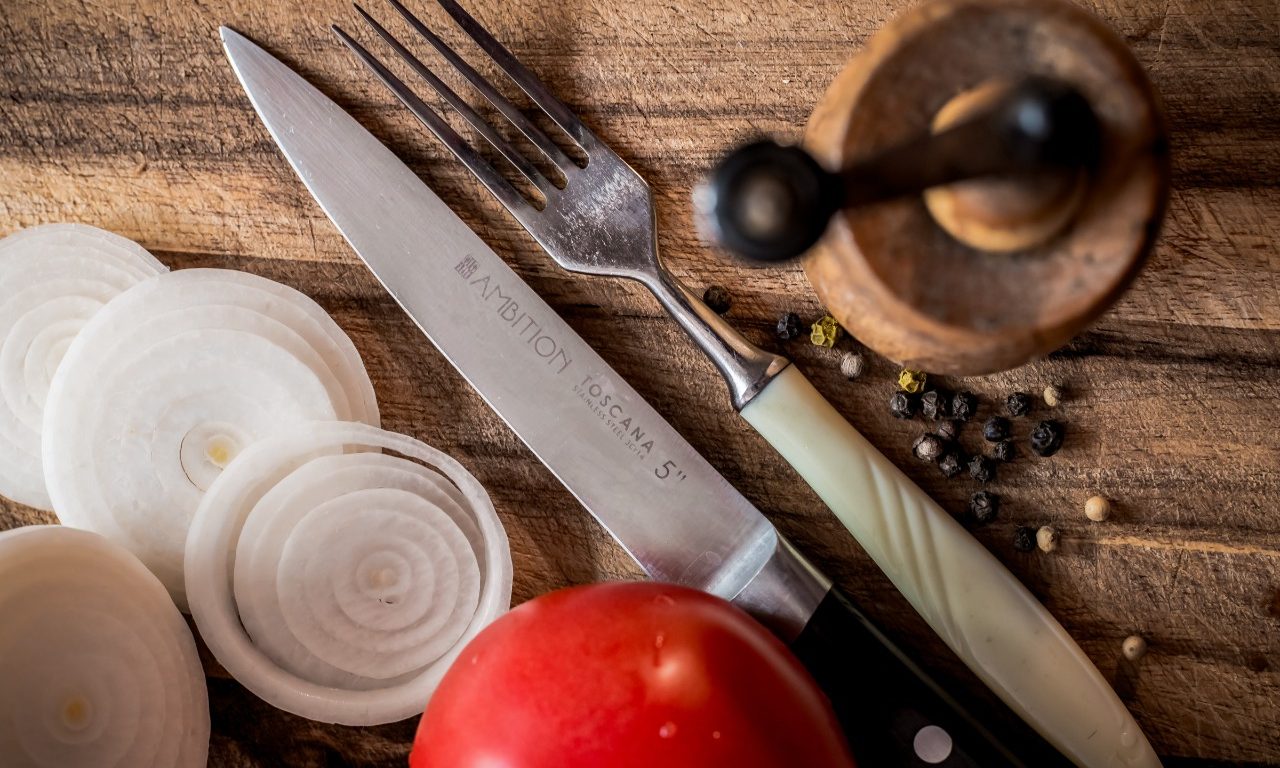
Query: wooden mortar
[[989, 273]]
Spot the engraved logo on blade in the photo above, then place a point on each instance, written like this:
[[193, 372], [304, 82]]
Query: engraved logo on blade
[[508, 309], [594, 391], [612, 411]]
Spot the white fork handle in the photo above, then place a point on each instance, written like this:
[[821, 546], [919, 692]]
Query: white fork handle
[[973, 602]]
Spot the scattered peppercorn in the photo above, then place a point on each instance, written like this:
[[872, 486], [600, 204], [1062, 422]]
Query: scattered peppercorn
[[1005, 450], [935, 405], [948, 430], [825, 332], [1046, 438], [1024, 538], [903, 405], [1097, 509], [995, 429], [717, 298], [851, 365], [1018, 404], [1134, 647], [984, 506], [1052, 395], [1047, 538], [928, 448], [963, 405], [788, 326], [982, 469], [951, 463]]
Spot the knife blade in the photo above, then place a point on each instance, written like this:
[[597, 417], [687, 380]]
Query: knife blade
[[667, 506]]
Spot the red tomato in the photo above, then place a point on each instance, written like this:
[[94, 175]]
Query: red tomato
[[628, 674]]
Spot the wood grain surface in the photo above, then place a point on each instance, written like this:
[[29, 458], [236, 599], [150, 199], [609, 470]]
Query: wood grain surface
[[124, 114]]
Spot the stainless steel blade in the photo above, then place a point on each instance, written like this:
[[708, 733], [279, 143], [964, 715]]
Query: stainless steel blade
[[671, 510]]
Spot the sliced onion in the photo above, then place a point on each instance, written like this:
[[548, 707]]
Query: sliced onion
[[53, 278], [97, 666], [339, 582], [168, 382]]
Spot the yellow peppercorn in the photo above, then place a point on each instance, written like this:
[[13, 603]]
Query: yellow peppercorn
[[825, 332], [911, 381]]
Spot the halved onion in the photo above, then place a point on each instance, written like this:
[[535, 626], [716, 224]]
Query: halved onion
[[337, 581], [168, 382], [53, 278], [97, 666]]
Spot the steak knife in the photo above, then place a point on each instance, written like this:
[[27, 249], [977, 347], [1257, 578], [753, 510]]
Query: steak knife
[[669, 508]]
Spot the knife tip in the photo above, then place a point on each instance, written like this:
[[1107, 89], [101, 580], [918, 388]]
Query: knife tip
[[229, 35]]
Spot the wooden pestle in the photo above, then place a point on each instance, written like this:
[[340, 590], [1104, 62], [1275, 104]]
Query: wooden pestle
[[1036, 140]]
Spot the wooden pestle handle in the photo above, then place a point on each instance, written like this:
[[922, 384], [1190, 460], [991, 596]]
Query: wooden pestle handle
[[772, 203]]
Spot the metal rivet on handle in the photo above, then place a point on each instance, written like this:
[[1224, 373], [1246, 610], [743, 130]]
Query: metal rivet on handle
[[932, 744]]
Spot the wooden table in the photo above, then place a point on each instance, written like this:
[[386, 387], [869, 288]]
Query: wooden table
[[124, 114]]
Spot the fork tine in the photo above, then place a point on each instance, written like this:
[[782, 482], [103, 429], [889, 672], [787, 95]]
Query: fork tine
[[521, 76], [533, 133], [512, 154], [499, 186]]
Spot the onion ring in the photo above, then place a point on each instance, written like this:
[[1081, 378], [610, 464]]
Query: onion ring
[[53, 278], [168, 382], [97, 666], [337, 581]]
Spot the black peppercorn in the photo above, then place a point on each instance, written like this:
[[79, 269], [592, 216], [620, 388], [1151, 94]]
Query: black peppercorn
[[1018, 404], [717, 298], [935, 405], [948, 430], [788, 326], [928, 448], [996, 429], [984, 506], [1024, 538], [951, 463], [982, 469], [904, 405], [1005, 450], [1046, 438], [963, 405]]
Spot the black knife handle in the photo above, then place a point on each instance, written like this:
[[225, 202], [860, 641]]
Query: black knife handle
[[883, 701]]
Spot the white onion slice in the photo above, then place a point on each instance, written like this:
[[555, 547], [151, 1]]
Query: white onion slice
[[53, 278], [97, 666], [168, 382], [339, 582]]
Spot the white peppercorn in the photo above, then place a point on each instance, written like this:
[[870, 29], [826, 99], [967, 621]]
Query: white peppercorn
[[1097, 509], [1134, 647], [851, 364], [1047, 538]]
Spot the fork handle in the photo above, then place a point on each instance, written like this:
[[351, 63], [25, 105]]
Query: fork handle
[[746, 368], [974, 603]]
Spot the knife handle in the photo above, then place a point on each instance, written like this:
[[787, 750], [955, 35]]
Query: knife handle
[[892, 713], [980, 609]]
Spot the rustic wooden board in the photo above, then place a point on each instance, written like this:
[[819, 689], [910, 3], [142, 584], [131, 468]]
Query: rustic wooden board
[[124, 114]]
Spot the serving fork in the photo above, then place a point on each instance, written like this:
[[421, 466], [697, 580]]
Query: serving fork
[[601, 221]]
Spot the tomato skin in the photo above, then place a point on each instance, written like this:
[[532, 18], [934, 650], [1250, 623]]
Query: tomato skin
[[628, 674]]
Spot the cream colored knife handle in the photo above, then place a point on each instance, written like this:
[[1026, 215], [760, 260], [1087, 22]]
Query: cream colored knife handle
[[970, 599]]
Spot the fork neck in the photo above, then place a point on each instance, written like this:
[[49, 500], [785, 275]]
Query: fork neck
[[746, 368]]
